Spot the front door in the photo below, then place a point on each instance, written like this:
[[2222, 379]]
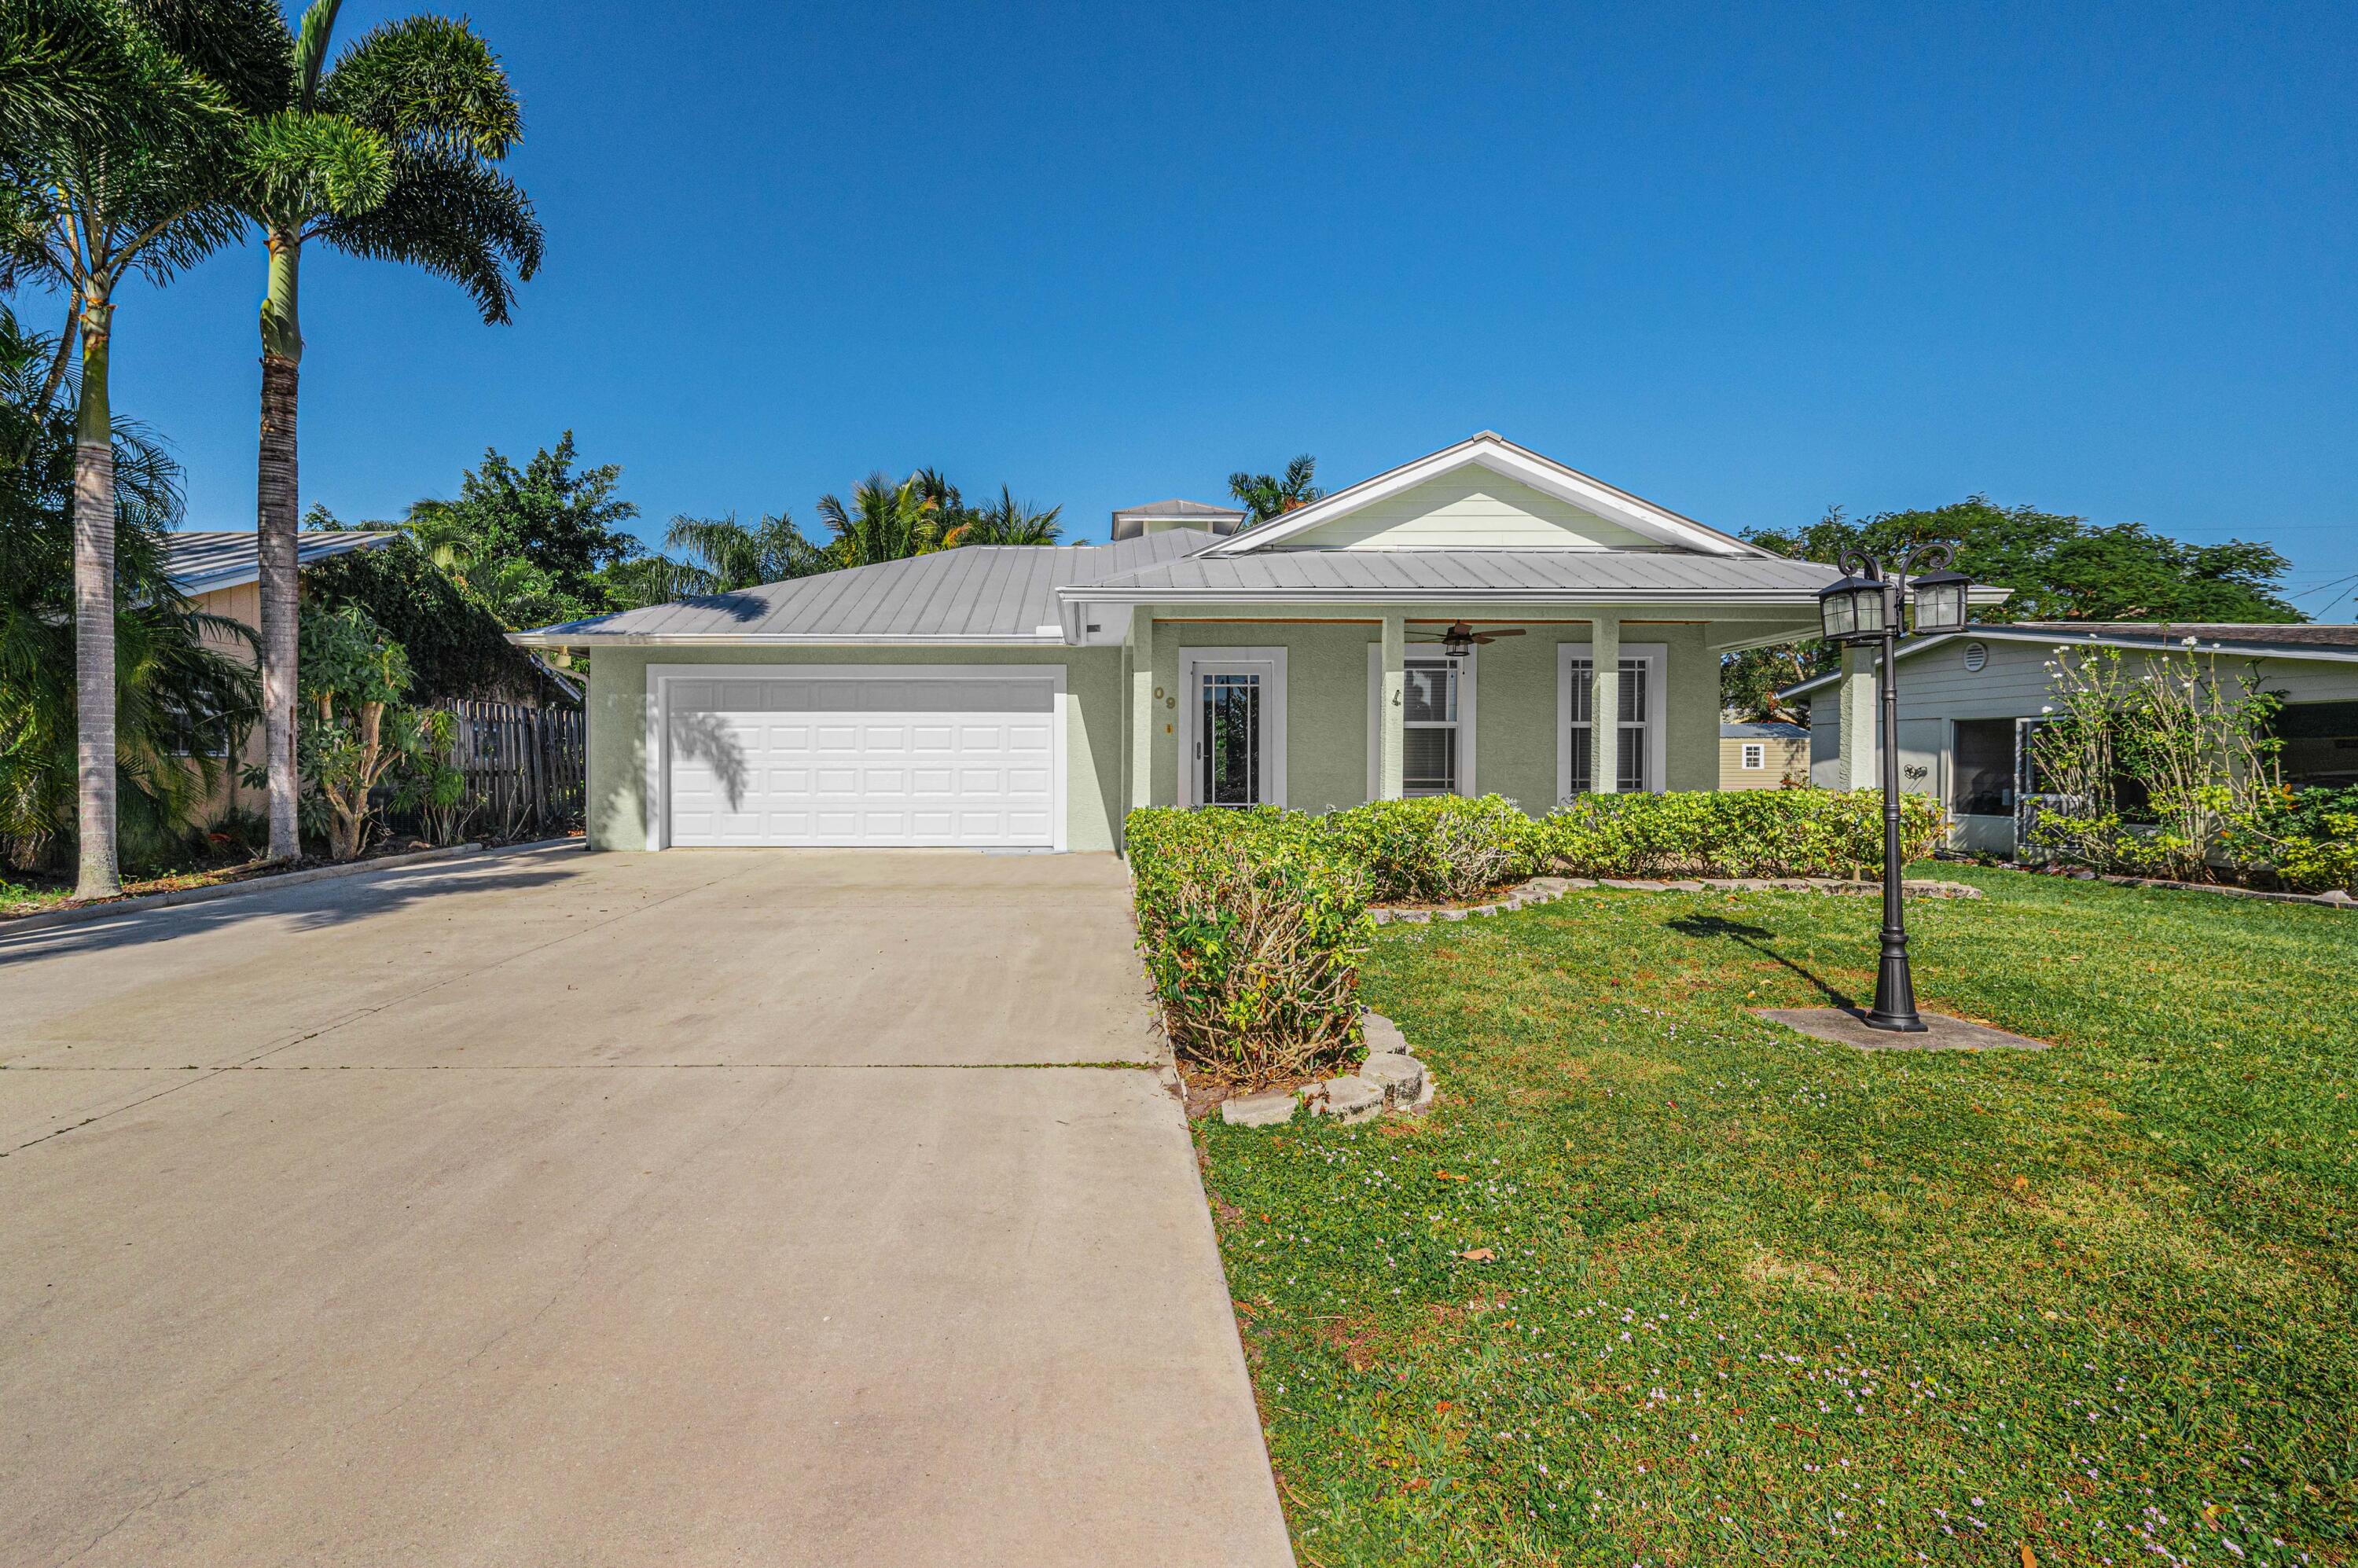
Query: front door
[[1231, 706]]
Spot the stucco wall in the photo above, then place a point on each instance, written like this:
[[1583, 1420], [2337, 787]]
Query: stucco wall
[[617, 718]]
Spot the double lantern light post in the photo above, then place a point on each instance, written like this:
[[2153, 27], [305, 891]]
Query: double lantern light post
[[1863, 609]]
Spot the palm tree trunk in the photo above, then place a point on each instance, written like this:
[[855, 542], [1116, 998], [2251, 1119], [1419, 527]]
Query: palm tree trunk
[[93, 558], [276, 497]]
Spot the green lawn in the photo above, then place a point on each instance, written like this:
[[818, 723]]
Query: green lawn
[[1758, 1297]]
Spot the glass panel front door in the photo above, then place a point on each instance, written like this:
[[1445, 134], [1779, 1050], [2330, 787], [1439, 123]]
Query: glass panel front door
[[1231, 735]]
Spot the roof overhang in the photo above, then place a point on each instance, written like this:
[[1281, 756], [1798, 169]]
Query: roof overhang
[[2052, 638], [1502, 457], [557, 637], [314, 548]]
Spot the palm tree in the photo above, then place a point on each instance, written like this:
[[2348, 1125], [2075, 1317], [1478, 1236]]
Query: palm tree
[[723, 555], [387, 154], [1009, 522], [885, 522], [138, 181], [1267, 495]]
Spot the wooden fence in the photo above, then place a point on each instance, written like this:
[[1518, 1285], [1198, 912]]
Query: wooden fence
[[526, 767]]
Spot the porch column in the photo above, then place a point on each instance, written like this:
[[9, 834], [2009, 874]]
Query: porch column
[[1605, 706], [1144, 711], [1391, 713], [1858, 766]]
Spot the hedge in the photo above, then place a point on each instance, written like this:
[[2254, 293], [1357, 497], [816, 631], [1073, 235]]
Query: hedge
[[1736, 833], [1438, 848], [1252, 926]]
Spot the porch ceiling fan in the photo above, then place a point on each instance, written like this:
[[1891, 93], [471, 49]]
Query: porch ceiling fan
[[1458, 639]]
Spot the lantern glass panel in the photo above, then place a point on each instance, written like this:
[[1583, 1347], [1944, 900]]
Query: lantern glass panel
[[1940, 604], [1869, 599], [1838, 615]]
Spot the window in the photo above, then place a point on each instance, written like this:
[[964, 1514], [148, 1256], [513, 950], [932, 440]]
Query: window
[[1755, 756], [1437, 722], [1638, 744], [1430, 761], [1981, 767]]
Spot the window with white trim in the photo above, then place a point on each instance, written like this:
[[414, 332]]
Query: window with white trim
[[1430, 716], [1638, 742], [1755, 756]]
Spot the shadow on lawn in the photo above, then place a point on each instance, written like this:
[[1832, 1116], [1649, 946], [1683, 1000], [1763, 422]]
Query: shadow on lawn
[[1756, 937]]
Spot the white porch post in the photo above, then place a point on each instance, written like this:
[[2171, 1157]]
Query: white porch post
[[1144, 711], [1605, 706], [1857, 768], [1391, 713]]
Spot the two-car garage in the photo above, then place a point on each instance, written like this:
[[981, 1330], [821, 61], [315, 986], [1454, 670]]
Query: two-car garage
[[810, 755]]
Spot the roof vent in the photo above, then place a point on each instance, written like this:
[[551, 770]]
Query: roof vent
[[1162, 516]]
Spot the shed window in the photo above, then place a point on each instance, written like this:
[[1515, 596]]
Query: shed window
[[1755, 756]]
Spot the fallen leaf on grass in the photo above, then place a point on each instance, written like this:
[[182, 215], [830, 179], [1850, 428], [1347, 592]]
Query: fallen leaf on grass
[[2029, 1559], [1479, 1255], [1447, 1176]]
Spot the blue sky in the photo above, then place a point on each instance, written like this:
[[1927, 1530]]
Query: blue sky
[[1747, 262]]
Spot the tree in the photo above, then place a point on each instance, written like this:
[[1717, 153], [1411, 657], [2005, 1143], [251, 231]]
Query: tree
[[532, 542], [722, 555], [136, 182], [181, 704], [2061, 567], [360, 733], [885, 522], [387, 154], [1008, 522], [457, 647], [1265, 496]]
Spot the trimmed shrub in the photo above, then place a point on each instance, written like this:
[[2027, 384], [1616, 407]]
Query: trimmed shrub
[[2308, 839], [1252, 926], [1736, 833], [1437, 848]]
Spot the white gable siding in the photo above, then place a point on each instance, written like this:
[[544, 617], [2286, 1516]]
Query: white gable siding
[[1472, 509]]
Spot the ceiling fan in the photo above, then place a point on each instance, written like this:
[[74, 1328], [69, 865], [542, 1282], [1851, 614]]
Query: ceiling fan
[[1459, 639]]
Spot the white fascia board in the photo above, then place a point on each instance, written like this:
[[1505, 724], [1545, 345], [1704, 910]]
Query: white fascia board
[[772, 640], [1312, 598], [1509, 462]]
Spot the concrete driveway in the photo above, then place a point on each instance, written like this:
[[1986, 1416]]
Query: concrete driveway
[[699, 1207]]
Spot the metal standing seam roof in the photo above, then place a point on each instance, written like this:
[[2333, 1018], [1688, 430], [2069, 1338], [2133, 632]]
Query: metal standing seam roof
[[2255, 640], [206, 560], [975, 593], [1763, 730], [1176, 508], [1600, 574]]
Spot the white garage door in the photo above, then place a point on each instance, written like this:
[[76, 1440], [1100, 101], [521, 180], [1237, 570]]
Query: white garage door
[[934, 758]]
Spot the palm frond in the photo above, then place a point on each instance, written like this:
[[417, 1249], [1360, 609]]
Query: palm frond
[[453, 217], [428, 84]]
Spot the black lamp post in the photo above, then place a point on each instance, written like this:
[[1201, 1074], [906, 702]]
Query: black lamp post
[[1865, 607]]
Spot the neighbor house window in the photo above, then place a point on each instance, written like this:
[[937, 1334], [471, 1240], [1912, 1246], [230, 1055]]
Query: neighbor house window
[[1430, 716], [1755, 756]]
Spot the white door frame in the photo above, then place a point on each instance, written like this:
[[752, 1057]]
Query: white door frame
[[657, 735], [1273, 716], [1468, 683], [1658, 693]]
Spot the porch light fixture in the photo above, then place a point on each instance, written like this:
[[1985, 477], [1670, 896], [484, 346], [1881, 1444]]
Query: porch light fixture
[[1458, 641], [1863, 608]]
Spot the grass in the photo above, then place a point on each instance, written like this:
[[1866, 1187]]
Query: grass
[[1756, 1297]]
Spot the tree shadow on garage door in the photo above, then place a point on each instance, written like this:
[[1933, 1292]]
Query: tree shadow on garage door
[[706, 738]]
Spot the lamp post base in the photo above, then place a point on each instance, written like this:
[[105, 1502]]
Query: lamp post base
[[1895, 994]]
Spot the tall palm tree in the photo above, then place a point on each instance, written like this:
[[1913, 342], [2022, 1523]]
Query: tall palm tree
[[386, 154], [139, 182], [722, 555], [1007, 522], [885, 522], [1271, 495]]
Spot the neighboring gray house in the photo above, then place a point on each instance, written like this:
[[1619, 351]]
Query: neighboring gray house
[[1968, 703], [1483, 618]]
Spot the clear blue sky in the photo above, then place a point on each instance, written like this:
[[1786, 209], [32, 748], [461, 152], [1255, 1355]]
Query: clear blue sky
[[1746, 262]]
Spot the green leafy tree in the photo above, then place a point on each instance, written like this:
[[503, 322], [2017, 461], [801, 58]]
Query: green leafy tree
[[130, 170], [532, 542], [458, 648], [718, 555], [388, 153], [181, 704], [1006, 521], [884, 522], [1265, 496], [358, 732], [2061, 567]]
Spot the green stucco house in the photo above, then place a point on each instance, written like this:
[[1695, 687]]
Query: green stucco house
[[1459, 624]]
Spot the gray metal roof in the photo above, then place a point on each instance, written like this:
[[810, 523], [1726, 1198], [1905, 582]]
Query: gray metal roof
[[2255, 640], [974, 593], [205, 560], [1763, 730], [1177, 509], [1596, 575]]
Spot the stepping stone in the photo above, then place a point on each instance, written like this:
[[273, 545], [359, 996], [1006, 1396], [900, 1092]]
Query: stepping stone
[[1683, 887], [1413, 916], [1272, 1110], [1381, 916], [1423, 1101], [1581, 883], [1450, 913], [1351, 1100], [1383, 1036], [1402, 1078]]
